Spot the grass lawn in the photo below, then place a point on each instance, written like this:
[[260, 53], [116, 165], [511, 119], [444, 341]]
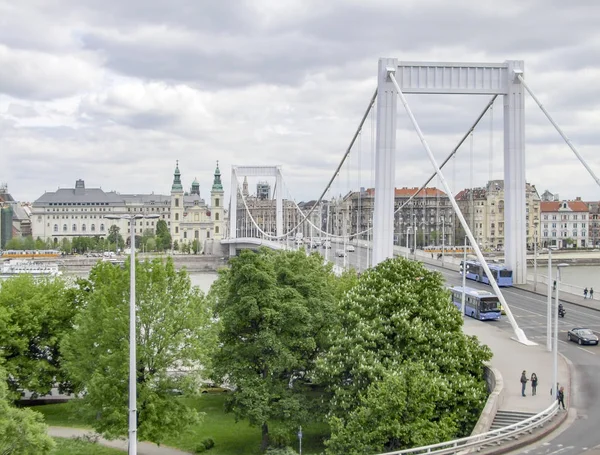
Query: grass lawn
[[230, 438], [79, 447]]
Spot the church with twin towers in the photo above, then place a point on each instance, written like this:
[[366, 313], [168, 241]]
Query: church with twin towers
[[84, 212]]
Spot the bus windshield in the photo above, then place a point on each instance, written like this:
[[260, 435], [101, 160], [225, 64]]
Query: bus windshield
[[506, 273], [488, 304]]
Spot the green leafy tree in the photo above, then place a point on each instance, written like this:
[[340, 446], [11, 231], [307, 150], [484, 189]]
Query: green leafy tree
[[40, 244], [146, 237], [22, 431], [163, 236], [151, 244], [434, 236], [273, 308], [114, 237], [397, 315], [172, 322], [34, 317], [195, 246], [14, 244], [65, 246], [176, 245]]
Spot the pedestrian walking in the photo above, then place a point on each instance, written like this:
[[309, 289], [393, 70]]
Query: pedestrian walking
[[523, 382], [591, 293], [554, 286], [534, 382], [585, 291], [561, 398]]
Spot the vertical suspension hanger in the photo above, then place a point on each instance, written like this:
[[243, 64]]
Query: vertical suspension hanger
[[491, 165]]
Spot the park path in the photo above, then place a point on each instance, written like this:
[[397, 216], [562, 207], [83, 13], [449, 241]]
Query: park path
[[143, 448]]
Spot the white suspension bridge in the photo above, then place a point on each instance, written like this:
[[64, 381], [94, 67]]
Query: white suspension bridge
[[374, 214]]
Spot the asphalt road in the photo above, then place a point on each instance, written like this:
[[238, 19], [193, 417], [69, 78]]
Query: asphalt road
[[580, 433]]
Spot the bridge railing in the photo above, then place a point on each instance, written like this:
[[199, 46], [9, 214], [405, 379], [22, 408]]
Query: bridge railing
[[477, 442]]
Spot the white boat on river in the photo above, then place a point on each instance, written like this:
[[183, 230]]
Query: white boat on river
[[37, 268]]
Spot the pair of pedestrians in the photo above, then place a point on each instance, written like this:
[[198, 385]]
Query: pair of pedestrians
[[591, 293], [525, 380]]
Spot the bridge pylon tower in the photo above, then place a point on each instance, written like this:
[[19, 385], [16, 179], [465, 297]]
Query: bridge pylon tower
[[464, 79]]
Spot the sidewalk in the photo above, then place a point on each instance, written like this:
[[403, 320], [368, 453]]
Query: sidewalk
[[542, 289], [511, 358], [143, 448]]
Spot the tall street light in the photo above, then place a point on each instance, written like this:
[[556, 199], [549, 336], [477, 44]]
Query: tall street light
[[464, 277], [407, 247], [443, 239], [549, 309], [554, 384], [132, 332], [535, 237]]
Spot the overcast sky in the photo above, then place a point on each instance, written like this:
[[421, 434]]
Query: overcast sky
[[114, 92]]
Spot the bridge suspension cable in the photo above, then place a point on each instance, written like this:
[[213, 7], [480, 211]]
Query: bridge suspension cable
[[452, 153], [560, 131], [305, 216], [518, 331]]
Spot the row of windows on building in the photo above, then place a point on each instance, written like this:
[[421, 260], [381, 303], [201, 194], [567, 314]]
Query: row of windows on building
[[564, 234], [196, 233], [566, 217], [564, 226], [83, 228]]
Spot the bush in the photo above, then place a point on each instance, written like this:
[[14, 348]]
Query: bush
[[279, 438], [281, 451], [206, 444], [209, 443]]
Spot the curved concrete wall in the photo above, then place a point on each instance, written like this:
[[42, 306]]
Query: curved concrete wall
[[495, 386]]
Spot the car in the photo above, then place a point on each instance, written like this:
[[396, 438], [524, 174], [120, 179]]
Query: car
[[211, 387], [582, 335], [350, 248], [340, 253]]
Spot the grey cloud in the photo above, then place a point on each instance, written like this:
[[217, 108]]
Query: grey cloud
[[21, 110]]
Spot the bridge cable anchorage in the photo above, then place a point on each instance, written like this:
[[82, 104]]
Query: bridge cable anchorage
[[452, 153], [519, 76], [520, 334]]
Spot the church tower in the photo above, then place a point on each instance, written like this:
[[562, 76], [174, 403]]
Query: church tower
[[176, 205], [217, 210]]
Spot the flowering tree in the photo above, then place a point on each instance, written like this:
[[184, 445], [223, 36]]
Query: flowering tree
[[400, 368]]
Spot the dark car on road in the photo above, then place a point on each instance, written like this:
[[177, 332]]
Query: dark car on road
[[582, 336]]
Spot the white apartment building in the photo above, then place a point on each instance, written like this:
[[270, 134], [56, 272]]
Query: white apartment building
[[564, 224]]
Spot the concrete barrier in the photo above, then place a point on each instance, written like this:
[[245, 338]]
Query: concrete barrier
[[495, 386]]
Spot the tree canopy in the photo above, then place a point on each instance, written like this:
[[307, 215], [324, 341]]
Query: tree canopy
[[400, 368], [273, 308], [22, 431], [35, 314], [173, 334], [163, 236]]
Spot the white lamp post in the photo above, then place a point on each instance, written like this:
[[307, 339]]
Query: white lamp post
[[415, 237], [132, 333], [549, 309], [407, 234], [558, 267], [535, 227], [443, 239], [464, 277]]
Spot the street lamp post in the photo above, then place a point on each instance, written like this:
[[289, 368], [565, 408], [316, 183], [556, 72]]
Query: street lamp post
[[415, 237], [549, 309], [443, 239], [464, 277], [555, 355], [407, 247], [132, 334], [535, 237]]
